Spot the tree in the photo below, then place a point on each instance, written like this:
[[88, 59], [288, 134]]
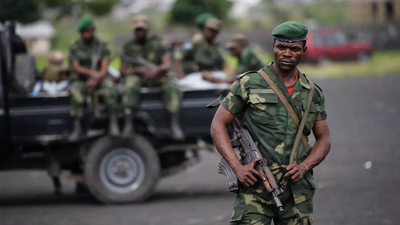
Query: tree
[[23, 11], [185, 11], [100, 7]]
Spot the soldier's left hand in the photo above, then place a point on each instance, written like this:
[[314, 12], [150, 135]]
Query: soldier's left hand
[[294, 172], [152, 73], [207, 76]]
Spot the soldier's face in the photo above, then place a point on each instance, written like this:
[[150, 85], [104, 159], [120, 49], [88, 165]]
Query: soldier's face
[[87, 35], [210, 34], [140, 33], [288, 55], [234, 51]]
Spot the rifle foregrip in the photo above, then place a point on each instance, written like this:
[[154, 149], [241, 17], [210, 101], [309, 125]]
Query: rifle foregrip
[[226, 170]]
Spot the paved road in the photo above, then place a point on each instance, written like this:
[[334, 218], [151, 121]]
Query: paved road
[[363, 116]]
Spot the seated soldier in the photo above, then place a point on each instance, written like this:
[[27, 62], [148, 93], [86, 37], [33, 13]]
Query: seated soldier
[[201, 55], [55, 75], [89, 58], [247, 60], [145, 60]]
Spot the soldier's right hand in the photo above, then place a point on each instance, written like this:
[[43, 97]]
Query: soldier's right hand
[[247, 175], [95, 75], [141, 70]]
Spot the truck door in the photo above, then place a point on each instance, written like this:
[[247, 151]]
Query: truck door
[[5, 149]]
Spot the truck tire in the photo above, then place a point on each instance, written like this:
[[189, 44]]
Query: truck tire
[[25, 70], [121, 170]]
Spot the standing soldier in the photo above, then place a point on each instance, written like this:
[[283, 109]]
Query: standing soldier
[[154, 68], [89, 58], [274, 128], [246, 58], [202, 55]]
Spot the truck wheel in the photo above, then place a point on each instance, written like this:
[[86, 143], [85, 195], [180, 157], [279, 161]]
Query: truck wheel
[[122, 170]]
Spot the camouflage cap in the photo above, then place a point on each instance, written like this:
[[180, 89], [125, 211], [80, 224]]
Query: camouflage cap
[[290, 31], [202, 18], [85, 23], [212, 23], [140, 21], [56, 57]]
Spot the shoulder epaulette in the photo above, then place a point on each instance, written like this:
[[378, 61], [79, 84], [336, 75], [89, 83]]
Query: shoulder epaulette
[[74, 43], [245, 73], [318, 88]]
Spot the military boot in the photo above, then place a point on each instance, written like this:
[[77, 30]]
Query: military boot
[[77, 132], [129, 128], [113, 128], [176, 130]]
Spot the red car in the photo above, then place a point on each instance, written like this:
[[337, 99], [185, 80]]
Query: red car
[[328, 44]]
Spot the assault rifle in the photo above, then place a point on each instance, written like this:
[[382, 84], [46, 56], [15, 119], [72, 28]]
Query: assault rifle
[[249, 151]]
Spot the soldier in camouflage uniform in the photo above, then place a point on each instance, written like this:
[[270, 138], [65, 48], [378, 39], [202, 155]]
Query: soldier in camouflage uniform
[[55, 71], [202, 55], [247, 59], [153, 51], [89, 58], [270, 124]]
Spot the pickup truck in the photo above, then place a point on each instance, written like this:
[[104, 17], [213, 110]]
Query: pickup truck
[[34, 132]]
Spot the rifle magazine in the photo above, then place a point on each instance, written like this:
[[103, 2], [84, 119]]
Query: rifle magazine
[[226, 170]]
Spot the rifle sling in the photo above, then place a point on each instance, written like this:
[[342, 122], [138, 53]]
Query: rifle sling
[[289, 108]]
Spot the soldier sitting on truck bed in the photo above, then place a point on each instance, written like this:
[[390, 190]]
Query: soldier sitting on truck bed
[[202, 55], [89, 58], [145, 60], [55, 75]]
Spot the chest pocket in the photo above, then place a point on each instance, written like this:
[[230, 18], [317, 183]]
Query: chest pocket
[[205, 58], [264, 106]]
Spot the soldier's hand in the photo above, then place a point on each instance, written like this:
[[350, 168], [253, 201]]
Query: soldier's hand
[[153, 72], [294, 172], [247, 175], [141, 70], [207, 76], [91, 85]]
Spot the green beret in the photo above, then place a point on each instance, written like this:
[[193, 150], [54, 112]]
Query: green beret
[[85, 23], [202, 18], [290, 31]]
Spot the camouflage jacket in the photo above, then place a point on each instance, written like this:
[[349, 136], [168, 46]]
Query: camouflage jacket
[[248, 60], [270, 124], [85, 54], [54, 73], [152, 51], [200, 56]]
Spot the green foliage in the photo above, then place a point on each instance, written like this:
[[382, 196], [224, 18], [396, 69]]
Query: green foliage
[[23, 11], [326, 12], [322, 11], [185, 11], [100, 7]]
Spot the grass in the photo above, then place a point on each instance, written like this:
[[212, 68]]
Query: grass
[[381, 63]]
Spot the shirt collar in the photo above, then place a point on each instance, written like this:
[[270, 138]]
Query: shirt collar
[[274, 76]]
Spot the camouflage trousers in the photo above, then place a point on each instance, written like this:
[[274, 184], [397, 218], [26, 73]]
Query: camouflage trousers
[[78, 94], [171, 93], [252, 207]]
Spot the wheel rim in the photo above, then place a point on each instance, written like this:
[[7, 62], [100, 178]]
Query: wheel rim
[[122, 171]]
